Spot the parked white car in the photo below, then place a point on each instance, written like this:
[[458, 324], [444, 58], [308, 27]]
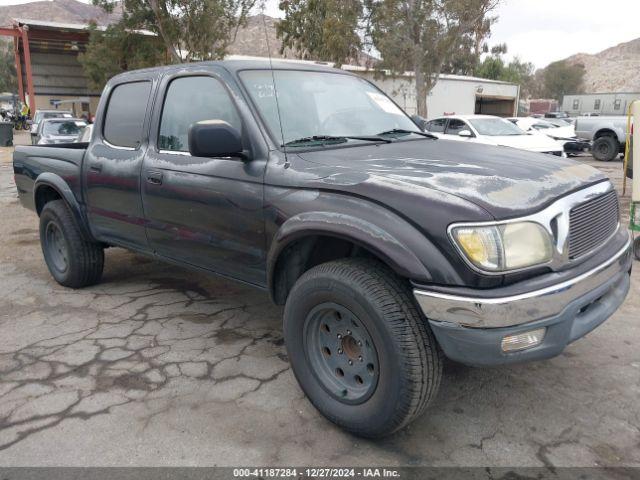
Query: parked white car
[[85, 134], [491, 130], [542, 125], [556, 129]]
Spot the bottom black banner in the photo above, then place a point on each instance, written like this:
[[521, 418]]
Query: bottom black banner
[[329, 473]]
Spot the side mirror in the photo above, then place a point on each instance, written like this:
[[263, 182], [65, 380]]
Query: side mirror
[[465, 133], [214, 138], [420, 122]]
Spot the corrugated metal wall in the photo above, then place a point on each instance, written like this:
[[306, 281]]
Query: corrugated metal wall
[[58, 74]]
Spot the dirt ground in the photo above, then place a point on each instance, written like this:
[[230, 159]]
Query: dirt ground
[[162, 366]]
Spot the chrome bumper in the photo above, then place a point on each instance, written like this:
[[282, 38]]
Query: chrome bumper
[[496, 312]]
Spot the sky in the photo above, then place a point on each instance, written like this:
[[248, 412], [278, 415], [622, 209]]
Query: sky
[[542, 31]]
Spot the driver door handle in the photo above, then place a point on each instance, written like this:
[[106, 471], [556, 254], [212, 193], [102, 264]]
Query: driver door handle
[[154, 178]]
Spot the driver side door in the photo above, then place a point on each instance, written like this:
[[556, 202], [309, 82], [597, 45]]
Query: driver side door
[[205, 212]]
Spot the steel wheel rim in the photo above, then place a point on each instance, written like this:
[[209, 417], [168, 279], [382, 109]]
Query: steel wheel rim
[[57, 248], [603, 148], [341, 353]]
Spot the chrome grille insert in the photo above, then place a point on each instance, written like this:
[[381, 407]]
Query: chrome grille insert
[[591, 223]]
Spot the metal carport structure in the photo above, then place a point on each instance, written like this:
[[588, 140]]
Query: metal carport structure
[[46, 59]]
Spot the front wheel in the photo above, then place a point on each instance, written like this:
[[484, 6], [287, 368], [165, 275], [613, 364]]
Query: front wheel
[[605, 148], [360, 350], [72, 260]]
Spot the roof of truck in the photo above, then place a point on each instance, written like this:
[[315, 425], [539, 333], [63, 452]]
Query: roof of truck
[[234, 66]]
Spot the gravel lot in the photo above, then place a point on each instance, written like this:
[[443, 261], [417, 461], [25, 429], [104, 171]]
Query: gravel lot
[[162, 366]]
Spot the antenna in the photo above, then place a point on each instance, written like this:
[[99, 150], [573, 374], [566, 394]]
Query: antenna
[[273, 77]]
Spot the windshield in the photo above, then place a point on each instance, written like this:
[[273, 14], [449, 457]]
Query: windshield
[[495, 127], [321, 104], [64, 128]]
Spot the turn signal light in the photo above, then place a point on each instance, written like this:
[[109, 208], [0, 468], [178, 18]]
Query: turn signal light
[[522, 341]]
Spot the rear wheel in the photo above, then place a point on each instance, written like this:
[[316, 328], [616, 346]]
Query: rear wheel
[[605, 148], [360, 350], [72, 260]]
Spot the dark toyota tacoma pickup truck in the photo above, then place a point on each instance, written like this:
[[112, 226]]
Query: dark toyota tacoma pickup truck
[[389, 249]]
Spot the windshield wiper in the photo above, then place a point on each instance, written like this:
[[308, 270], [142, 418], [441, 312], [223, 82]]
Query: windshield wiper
[[335, 139], [404, 131]]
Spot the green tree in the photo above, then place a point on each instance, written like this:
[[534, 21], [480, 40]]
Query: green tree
[[516, 71], [8, 77], [421, 35], [561, 78], [465, 59], [116, 50], [492, 67], [190, 30], [322, 29]]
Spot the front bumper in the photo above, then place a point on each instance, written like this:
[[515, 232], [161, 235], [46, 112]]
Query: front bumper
[[577, 146], [470, 329]]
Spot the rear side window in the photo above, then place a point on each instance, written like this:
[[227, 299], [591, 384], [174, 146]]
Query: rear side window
[[436, 125], [190, 100], [125, 114], [456, 126]]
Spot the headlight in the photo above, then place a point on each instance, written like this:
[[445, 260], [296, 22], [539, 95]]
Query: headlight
[[499, 248]]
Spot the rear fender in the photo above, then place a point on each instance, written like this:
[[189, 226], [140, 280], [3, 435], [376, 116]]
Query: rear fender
[[57, 183]]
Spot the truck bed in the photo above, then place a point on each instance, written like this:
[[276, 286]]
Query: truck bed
[[64, 160]]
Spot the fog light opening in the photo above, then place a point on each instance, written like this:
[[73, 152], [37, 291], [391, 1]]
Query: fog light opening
[[523, 341]]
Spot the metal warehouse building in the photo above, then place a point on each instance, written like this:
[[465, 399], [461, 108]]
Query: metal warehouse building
[[600, 103], [452, 95], [49, 74]]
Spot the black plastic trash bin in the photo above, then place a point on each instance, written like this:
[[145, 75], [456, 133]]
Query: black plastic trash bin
[[6, 134]]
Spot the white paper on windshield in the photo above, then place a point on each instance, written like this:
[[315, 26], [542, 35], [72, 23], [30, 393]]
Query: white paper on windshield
[[384, 102], [80, 124]]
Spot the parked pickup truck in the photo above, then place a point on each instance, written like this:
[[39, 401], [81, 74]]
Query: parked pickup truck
[[608, 134], [387, 247]]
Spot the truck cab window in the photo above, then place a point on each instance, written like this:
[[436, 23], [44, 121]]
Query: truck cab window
[[190, 100], [125, 114]]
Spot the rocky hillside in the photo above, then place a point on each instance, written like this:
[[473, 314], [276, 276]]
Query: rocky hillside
[[252, 41], [616, 69], [62, 11]]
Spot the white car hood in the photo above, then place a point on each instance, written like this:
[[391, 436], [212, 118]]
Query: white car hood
[[562, 132], [533, 143]]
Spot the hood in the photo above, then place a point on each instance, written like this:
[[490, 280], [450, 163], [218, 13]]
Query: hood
[[563, 132], [534, 143], [503, 181]]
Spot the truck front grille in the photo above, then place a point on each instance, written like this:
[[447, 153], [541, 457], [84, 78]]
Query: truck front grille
[[591, 223]]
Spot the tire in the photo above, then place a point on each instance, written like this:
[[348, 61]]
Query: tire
[[636, 248], [72, 260], [367, 315], [605, 148]]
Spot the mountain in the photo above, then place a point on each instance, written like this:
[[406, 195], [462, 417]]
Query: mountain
[[259, 39], [62, 11], [616, 69]]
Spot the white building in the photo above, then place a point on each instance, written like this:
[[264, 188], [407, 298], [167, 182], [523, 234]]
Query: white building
[[452, 95], [600, 103]]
